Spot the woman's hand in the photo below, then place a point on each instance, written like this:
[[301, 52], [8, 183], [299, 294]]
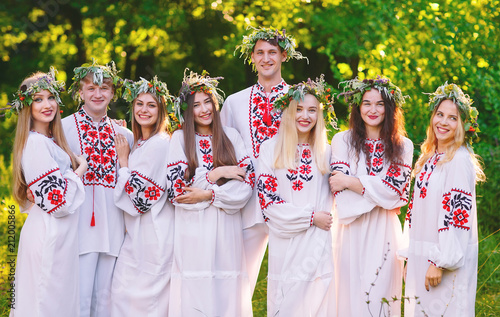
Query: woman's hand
[[433, 276], [323, 220], [193, 195], [122, 149], [340, 181], [82, 165], [229, 172], [120, 122]]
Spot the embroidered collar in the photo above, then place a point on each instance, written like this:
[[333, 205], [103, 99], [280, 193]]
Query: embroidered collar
[[104, 119], [274, 89], [203, 135]]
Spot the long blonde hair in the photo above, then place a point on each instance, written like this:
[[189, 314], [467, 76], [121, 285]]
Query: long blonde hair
[[429, 147], [24, 125], [287, 140]]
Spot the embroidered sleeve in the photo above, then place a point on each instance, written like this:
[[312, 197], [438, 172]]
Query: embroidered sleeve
[[456, 225], [233, 195], [391, 189], [348, 204], [56, 194], [283, 218], [175, 179], [143, 191]]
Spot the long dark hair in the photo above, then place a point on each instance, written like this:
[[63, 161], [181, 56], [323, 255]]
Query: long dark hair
[[223, 150], [392, 133]]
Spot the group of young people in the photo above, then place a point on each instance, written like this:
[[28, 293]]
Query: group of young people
[[154, 223]]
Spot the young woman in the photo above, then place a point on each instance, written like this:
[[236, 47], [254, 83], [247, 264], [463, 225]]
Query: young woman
[[371, 168], [296, 203], [46, 281], [210, 178], [441, 220], [141, 280]]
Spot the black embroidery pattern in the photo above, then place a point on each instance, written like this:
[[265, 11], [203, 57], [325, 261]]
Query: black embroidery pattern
[[457, 204], [49, 190], [142, 191], [175, 179], [98, 145], [247, 164], [398, 178], [205, 148], [264, 123]]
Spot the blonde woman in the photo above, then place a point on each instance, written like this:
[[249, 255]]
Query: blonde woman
[[47, 262], [296, 203], [442, 220]]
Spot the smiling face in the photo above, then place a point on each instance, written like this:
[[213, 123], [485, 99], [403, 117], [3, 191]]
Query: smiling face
[[267, 59], [96, 98], [445, 122], [43, 111], [146, 111], [372, 110], [203, 108], [306, 117]]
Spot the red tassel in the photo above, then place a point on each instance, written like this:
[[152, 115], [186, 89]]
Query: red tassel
[[92, 222], [267, 118]]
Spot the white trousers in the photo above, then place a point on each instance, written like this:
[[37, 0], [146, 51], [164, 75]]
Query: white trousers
[[255, 241], [96, 273]]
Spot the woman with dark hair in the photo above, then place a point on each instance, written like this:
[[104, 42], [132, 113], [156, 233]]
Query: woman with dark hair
[[46, 281], [142, 272], [371, 168], [441, 221], [210, 178]]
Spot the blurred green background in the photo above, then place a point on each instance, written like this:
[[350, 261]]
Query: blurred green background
[[418, 44]]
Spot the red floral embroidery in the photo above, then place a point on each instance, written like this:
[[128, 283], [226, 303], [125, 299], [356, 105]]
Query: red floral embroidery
[[55, 197], [271, 184], [305, 169], [204, 144], [306, 153], [379, 147], [152, 193], [369, 147], [394, 171], [460, 217], [264, 123], [129, 189], [207, 158], [178, 186], [423, 192], [377, 161], [297, 185], [97, 143], [446, 199]]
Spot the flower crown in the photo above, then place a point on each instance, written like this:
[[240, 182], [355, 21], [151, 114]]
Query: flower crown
[[318, 89], [191, 84], [354, 90], [469, 114], [24, 96], [285, 41], [99, 73], [155, 87]]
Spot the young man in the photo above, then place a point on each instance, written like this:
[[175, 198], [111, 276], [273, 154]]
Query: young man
[[250, 112], [101, 226]]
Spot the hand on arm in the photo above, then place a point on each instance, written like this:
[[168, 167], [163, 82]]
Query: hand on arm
[[82, 165], [340, 181], [229, 172], [122, 149], [193, 195], [323, 220], [433, 276]]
